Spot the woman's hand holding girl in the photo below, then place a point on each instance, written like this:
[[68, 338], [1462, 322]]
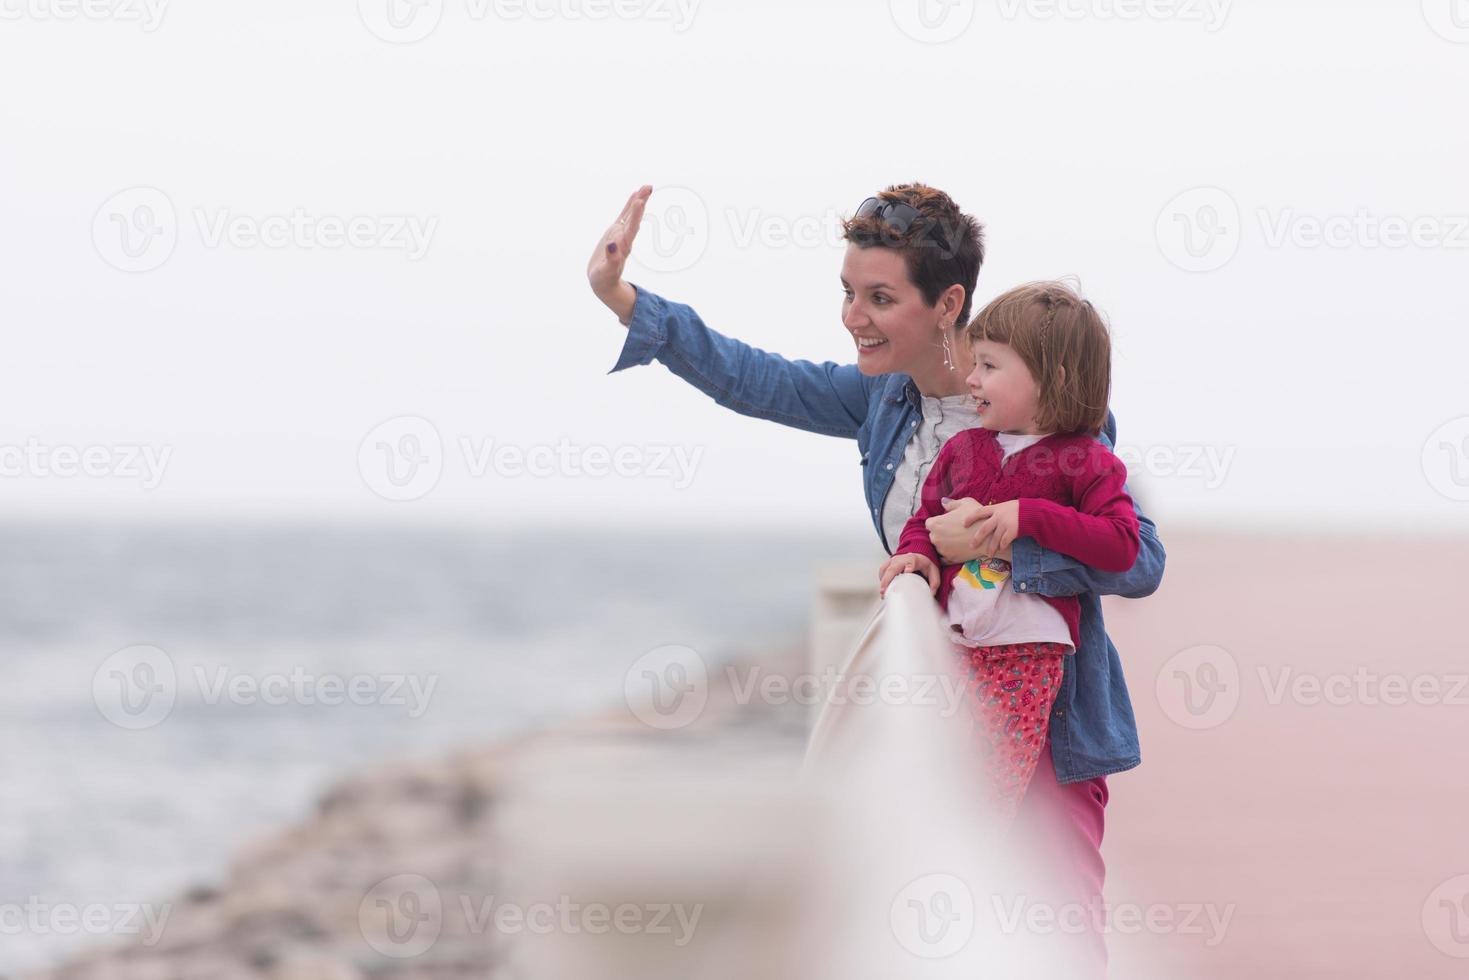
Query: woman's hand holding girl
[[954, 541]]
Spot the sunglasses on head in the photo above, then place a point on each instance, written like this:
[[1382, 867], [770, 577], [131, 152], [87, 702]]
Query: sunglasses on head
[[898, 216]]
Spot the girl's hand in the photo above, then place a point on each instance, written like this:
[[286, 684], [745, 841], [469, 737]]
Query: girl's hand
[[950, 534], [604, 270], [995, 528], [899, 564]]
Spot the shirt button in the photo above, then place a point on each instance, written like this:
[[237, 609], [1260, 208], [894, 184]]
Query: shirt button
[[890, 466], [1022, 586], [913, 423]]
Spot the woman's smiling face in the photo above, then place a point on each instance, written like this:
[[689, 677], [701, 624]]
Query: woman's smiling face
[[894, 329]]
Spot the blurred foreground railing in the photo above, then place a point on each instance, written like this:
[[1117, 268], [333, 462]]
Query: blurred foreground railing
[[904, 650], [871, 857]]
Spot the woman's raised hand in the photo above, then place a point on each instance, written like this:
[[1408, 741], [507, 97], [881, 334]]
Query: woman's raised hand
[[604, 270]]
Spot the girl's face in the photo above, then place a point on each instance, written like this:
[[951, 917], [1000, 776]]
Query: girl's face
[[1007, 394], [892, 326]]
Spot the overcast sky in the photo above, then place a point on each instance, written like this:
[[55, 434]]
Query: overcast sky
[[256, 255]]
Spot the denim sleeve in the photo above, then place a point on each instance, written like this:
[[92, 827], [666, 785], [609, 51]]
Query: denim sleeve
[[827, 398], [1040, 570]]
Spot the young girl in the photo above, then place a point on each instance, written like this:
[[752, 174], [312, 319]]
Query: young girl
[[1041, 380]]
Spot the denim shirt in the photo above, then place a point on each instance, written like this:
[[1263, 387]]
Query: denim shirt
[[1093, 732]]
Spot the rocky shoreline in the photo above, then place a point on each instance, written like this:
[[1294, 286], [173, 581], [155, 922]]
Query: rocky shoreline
[[298, 904]]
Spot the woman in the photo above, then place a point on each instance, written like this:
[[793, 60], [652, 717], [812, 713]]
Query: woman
[[908, 276]]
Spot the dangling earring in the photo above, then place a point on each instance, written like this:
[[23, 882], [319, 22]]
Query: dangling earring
[[948, 354]]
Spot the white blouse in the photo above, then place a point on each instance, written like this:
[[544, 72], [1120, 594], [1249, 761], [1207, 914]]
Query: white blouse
[[942, 418]]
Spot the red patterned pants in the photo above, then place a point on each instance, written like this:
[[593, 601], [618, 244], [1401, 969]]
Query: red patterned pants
[[1010, 692]]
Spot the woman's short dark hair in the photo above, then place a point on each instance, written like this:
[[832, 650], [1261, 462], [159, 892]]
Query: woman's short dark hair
[[943, 247]]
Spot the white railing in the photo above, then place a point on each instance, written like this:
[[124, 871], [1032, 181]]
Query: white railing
[[877, 862], [906, 797], [904, 649]]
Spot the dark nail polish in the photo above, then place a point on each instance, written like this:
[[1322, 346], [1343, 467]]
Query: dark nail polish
[[612, 248]]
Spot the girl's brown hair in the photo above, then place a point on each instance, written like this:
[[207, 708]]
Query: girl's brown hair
[[1064, 342]]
